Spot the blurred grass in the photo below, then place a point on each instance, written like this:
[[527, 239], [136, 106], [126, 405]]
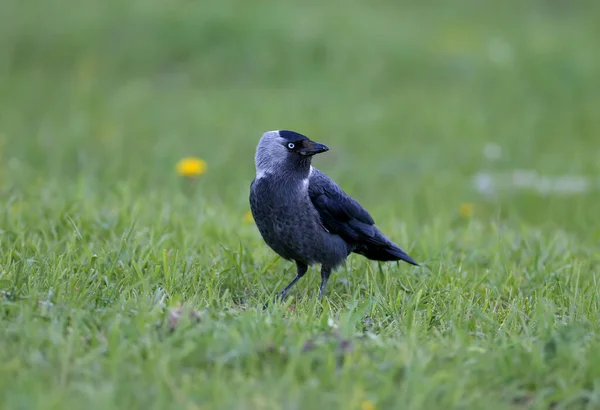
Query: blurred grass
[[99, 100]]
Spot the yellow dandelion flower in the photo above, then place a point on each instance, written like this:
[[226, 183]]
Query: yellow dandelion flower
[[248, 218], [191, 167], [466, 209], [367, 405]]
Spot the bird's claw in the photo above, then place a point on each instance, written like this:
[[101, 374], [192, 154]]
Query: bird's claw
[[278, 298]]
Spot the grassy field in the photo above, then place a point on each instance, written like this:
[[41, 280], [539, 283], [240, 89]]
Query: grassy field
[[469, 129]]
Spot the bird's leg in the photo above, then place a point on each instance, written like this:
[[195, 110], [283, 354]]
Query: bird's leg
[[325, 272], [301, 270]]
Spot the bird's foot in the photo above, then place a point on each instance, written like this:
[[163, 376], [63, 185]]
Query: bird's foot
[[281, 295], [322, 288], [278, 298]]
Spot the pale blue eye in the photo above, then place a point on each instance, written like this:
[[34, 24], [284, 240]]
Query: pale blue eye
[[291, 145]]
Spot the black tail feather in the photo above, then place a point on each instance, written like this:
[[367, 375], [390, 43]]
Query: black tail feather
[[384, 253]]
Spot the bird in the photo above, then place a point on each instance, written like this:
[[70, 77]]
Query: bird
[[304, 216]]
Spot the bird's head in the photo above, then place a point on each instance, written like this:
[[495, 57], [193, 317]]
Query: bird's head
[[280, 151]]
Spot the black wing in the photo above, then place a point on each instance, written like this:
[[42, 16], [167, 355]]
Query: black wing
[[340, 213], [343, 215]]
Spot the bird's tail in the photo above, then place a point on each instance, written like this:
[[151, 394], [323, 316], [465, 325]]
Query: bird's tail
[[384, 250]]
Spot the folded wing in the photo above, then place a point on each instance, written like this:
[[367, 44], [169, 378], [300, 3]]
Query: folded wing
[[343, 215]]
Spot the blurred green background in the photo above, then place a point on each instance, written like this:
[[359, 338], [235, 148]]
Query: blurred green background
[[407, 95]]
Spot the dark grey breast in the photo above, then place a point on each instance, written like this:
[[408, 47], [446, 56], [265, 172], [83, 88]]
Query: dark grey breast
[[286, 219]]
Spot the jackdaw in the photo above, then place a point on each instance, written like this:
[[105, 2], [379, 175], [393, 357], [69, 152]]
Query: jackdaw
[[306, 217]]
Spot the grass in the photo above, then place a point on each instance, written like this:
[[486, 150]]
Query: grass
[[124, 286]]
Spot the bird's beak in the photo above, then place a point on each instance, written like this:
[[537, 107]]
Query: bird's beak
[[312, 148]]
